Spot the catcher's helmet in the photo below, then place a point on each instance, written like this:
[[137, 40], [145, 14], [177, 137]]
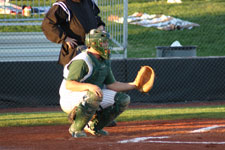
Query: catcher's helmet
[[99, 40]]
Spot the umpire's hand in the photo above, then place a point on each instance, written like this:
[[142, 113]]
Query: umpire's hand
[[72, 43]]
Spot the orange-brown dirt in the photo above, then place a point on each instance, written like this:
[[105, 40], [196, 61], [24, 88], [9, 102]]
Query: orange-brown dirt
[[141, 135]]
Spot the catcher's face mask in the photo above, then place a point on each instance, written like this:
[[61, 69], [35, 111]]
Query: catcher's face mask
[[99, 40]]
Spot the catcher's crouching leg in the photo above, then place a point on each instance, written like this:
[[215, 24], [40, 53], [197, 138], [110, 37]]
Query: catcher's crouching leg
[[84, 113], [107, 115]]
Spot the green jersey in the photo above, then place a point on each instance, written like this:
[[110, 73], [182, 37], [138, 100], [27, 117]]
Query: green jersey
[[100, 74]]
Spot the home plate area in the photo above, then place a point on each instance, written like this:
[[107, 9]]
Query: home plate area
[[183, 134]]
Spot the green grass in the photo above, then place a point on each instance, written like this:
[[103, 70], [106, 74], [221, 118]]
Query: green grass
[[173, 113], [209, 37], [32, 119], [60, 118]]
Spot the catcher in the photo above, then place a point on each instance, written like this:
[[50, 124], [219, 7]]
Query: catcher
[[89, 92]]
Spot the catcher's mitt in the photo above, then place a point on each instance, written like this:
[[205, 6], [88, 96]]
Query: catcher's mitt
[[145, 79]]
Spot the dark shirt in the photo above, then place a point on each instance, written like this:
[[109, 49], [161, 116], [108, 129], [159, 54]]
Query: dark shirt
[[56, 27]]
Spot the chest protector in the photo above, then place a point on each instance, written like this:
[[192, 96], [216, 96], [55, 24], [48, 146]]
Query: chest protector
[[97, 70]]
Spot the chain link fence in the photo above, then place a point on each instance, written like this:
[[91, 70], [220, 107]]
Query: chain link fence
[[195, 23], [21, 32], [192, 69], [178, 80]]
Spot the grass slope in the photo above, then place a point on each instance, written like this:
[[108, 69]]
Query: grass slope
[[57, 118]]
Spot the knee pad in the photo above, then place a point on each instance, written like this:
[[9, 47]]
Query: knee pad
[[92, 99], [122, 100]]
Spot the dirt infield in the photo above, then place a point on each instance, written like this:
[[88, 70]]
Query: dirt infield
[[191, 134], [144, 135]]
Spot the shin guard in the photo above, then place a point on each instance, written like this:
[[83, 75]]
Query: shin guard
[[85, 111], [107, 115]]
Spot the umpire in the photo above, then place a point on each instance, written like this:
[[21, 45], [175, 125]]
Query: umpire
[[67, 22]]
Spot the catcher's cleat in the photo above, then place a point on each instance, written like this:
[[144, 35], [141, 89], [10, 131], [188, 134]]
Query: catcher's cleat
[[95, 133], [112, 124], [77, 134]]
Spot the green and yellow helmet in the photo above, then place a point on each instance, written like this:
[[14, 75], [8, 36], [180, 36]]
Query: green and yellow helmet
[[95, 39]]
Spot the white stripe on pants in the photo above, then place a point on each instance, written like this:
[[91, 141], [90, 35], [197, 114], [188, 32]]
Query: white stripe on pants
[[108, 98]]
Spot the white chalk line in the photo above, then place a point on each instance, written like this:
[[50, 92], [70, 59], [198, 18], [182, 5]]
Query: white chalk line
[[183, 142], [139, 139], [145, 139], [206, 129]]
